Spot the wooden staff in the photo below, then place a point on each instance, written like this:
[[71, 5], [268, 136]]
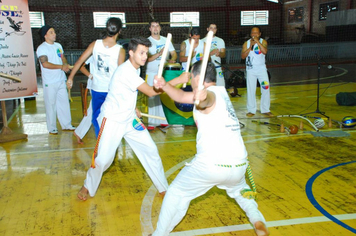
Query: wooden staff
[[152, 116], [164, 55], [10, 77], [189, 58], [205, 62]]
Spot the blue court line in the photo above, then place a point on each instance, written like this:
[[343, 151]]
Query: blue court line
[[309, 191]]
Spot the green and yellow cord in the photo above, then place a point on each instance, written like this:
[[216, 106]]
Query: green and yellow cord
[[248, 193]]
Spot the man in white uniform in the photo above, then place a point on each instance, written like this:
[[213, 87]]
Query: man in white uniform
[[119, 119], [217, 51], [254, 51], [198, 50], [155, 52], [221, 158], [53, 68]]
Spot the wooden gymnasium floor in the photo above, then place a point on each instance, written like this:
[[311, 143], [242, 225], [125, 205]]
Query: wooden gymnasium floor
[[306, 184]]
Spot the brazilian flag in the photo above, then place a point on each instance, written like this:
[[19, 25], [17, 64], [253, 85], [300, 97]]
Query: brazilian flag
[[176, 113]]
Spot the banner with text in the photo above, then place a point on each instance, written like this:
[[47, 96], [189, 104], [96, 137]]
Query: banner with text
[[17, 61]]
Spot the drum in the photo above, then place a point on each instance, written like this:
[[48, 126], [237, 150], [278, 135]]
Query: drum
[[172, 66]]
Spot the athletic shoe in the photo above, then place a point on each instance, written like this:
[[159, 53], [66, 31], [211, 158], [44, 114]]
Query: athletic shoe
[[250, 114], [54, 132], [70, 128], [150, 128], [269, 114]]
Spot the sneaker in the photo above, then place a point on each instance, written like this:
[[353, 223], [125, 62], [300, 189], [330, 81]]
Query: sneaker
[[70, 128], [269, 114], [53, 132], [150, 128], [164, 125], [250, 114]]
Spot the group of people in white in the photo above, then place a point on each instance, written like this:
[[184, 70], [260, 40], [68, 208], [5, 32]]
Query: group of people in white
[[221, 159]]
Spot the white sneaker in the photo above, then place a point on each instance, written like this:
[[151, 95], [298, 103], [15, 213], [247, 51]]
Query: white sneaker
[[70, 128], [54, 132]]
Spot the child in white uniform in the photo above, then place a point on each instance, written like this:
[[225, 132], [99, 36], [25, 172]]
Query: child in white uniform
[[221, 158]]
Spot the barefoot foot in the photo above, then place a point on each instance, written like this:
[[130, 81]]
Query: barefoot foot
[[79, 140], [83, 193], [261, 229]]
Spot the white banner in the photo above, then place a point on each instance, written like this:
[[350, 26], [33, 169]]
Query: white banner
[[16, 51]]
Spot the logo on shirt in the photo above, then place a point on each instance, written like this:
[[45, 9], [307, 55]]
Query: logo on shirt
[[59, 53], [257, 50], [199, 56], [221, 74], [138, 125], [265, 85]]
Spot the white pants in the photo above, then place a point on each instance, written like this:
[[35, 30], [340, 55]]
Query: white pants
[[220, 81], [154, 105], [251, 80], [195, 180], [85, 123], [141, 143], [57, 105]]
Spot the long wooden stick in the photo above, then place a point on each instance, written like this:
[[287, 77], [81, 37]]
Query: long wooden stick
[[152, 116], [10, 77], [205, 61], [189, 58], [164, 55]]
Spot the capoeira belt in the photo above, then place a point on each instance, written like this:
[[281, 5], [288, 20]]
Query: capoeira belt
[[85, 108], [97, 143], [83, 94], [248, 193], [230, 166], [216, 67]]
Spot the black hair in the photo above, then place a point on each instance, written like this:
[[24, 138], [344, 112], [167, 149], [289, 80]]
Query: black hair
[[210, 74], [255, 26], [195, 31], [154, 20], [212, 23], [113, 26], [134, 42]]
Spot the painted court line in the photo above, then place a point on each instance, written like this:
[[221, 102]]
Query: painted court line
[[277, 223]]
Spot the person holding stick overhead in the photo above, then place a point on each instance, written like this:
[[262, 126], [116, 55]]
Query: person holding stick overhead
[[221, 158], [154, 59], [107, 56], [254, 51], [119, 119], [53, 68]]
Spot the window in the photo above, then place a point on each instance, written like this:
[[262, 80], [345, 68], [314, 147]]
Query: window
[[254, 17], [182, 19], [36, 19], [100, 18]]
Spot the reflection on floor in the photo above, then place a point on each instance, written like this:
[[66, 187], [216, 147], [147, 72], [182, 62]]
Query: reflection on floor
[[40, 176]]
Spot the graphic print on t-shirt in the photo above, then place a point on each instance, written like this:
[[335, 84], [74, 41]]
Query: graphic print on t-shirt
[[101, 64]]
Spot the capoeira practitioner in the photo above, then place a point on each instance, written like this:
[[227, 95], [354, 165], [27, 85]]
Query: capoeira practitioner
[[119, 119], [254, 51], [221, 158], [198, 50], [107, 56], [155, 52]]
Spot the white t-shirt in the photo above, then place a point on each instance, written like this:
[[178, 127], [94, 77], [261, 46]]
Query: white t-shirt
[[120, 103], [54, 54], [105, 63], [157, 45], [219, 138], [255, 60], [199, 52], [216, 43]]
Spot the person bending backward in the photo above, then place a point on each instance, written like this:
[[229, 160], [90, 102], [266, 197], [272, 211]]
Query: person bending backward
[[254, 51], [221, 158], [198, 50], [154, 58], [119, 119], [53, 68], [217, 52], [107, 56]]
